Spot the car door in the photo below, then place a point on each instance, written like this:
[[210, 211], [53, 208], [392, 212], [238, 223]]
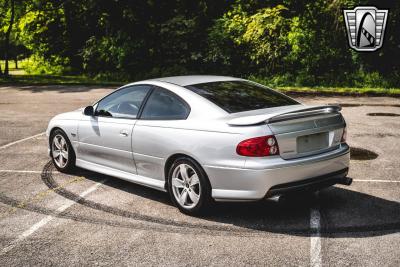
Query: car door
[[155, 132], [106, 138]]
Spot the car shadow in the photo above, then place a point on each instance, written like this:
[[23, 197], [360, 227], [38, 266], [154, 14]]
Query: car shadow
[[343, 212]]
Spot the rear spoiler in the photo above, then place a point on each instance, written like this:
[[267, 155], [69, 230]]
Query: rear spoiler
[[284, 116]]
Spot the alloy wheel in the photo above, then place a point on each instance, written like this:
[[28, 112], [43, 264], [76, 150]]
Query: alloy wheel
[[60, 151], [186, 186]]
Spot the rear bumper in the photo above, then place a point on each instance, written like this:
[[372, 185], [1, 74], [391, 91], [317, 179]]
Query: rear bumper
[[311, 184], [279, 176]]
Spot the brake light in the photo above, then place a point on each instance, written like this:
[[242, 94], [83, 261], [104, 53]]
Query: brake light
[[344, 135], [258, 147]]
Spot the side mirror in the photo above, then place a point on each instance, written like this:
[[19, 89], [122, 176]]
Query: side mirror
[[88, 111]]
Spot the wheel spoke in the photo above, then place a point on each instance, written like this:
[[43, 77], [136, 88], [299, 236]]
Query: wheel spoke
[[62, 143], [57, 142], [177, 183], [60, 160], [64, 154], [56, 153], [183, 171], [194, 180], [193, 196], [183, 197]]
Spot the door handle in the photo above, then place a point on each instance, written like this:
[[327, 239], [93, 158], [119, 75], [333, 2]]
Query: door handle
[[123, 133]]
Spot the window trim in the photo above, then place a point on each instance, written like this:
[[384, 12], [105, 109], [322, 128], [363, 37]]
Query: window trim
[[96, 104], [163, 118]]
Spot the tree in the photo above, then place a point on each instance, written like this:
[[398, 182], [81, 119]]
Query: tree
[[8, 33], [11, 11], [3, 17], [293, 41]]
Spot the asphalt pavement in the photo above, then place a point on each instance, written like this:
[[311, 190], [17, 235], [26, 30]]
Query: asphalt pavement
[[85, 218]]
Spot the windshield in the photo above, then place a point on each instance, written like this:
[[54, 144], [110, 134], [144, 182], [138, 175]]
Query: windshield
[[238, 96]]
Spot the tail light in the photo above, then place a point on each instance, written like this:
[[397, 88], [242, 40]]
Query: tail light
[[258, 147], [344, 135]]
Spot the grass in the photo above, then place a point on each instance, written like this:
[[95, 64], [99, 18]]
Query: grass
[[25, 79], [367, 91], [12, 67], [18, 77], [11, 64]]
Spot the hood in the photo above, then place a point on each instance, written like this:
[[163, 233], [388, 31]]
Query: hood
[[71, 115]]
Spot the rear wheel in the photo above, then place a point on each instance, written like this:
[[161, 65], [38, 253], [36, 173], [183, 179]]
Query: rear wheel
[[61, 151], [188, 186]]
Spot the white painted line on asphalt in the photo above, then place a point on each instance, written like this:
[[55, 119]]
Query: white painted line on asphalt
[[20, 171], [21, 140], [48, 218], [315, 242], [376, 181]]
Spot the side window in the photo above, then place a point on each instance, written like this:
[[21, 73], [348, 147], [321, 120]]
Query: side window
[[164, 105], [124, 103]]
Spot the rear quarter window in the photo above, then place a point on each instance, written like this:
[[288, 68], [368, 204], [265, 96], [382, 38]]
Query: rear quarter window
[[165, 105], [239, 96]]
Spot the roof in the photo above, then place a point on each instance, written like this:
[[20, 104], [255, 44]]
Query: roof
[[194, 79]]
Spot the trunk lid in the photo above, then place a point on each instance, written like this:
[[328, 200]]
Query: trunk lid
[[300, 130]]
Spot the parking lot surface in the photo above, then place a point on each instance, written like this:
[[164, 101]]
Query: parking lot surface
[[85, 218]]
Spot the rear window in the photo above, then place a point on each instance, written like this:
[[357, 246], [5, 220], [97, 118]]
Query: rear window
[[238, 96]]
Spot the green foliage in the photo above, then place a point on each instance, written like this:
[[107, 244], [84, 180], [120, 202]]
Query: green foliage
[[260, 38], [284, 42], [24, 79], [36, 64], [99, 54], [371, 79], [266, 33], [41, 33], [358, 79]]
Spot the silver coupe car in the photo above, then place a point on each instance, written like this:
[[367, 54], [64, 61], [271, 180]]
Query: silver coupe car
[[205, 138]]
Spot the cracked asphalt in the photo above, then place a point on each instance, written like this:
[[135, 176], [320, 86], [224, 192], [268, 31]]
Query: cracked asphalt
[[85, 218]]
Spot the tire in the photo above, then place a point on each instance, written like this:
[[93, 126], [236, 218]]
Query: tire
[[60, 146], [192, 196]]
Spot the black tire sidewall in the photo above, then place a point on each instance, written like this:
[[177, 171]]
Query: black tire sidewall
[[71, 153], [205, 195]]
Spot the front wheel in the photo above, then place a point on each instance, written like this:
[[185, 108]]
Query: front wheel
[[188, 186], [61, 151]]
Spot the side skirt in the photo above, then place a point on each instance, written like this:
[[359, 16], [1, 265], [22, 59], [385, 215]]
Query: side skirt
[[130, 177]]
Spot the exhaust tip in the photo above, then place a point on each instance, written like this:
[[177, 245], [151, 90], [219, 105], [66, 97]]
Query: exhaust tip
[[346, 181]]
